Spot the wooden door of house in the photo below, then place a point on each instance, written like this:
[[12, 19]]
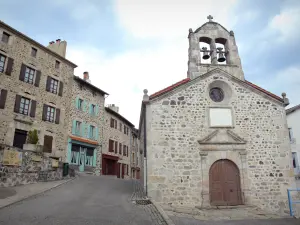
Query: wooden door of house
[[224, 183]]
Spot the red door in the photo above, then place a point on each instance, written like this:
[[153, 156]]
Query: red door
[[224, 183], [118, 170]]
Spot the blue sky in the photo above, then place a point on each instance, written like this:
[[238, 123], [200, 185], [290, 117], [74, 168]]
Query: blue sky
[[129, 45]]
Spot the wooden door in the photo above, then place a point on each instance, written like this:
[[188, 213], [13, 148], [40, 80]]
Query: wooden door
[[224, 183], [118, 170]]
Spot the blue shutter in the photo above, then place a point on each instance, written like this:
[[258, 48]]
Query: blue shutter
[[89, 131], [95, 157], [74, 127], [82, 129], [96, 134], [77, 102]]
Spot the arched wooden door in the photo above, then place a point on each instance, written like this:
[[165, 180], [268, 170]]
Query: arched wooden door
[[224, 183]]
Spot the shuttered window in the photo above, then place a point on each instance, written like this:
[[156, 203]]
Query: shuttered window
[[120, 148], [24, 106], [3, 95], [29, 75], [116, 147], [124, 150], [48, 143], [111, 145], [51, 114], [33, 52], [2, 63]]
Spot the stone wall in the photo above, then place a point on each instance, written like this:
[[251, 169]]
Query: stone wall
[[178, 166], [90, 95], [19, 49], [29, 171]]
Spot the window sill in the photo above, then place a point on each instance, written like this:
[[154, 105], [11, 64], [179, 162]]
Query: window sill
[[23, 118]]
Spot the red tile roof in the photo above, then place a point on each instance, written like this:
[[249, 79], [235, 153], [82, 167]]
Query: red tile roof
[[173, 86], [170, 88], [263, 90]]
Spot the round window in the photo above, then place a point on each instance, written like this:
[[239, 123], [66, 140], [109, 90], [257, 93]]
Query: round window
[[216, 94]]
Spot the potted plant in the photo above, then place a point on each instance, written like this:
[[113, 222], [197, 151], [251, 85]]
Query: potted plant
[[32, 140]]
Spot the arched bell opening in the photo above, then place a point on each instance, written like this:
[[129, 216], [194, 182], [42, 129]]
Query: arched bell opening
[[221, 50], [205, 50]]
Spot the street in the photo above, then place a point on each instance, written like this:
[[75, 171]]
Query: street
[[85, 200]]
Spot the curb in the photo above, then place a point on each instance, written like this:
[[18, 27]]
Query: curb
[[163, 213], [37, 193]]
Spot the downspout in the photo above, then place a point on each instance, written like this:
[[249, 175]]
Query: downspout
[[145, 153]]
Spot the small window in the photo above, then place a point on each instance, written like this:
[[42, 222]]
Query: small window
[[120, 126], [93, 109], [5, 37], [116, 124], [112, 122], [33, 52], [53, 86], [50, 114], [80, 104], [57, 64], [2, 63], [216, 94], [77, 129], [92, 132], [24, 106], [29, 75]]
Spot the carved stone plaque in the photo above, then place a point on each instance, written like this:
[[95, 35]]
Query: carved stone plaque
[[220, 117]]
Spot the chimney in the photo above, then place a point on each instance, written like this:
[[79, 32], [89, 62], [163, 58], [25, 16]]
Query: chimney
[[59, 47], [113, 107], [86, 77]]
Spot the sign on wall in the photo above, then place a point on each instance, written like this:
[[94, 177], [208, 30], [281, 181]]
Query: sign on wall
[[54, 163], [12, 158], [220, 117]]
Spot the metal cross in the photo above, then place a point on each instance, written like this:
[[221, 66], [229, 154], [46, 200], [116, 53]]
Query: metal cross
[[210, 18]]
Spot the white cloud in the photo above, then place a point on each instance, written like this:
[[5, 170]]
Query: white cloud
[[126, 75], [168, 18], [287, 24]]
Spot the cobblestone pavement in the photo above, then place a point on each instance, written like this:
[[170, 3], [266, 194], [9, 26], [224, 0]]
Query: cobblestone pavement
[[88, 200], [233, 216]]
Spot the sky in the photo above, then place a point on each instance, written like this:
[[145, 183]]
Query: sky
[[131, 45]]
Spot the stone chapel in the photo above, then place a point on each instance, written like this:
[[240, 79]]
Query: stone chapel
[[214, 138]]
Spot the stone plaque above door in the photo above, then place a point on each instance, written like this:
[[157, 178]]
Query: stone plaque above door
[[220, 117]]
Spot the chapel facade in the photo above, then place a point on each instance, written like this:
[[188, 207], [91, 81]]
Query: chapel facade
[[214, 138]]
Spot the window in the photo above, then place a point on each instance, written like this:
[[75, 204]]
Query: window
[[53, 86], [50, 114], [216, 94], [33, 52], [92, 132], [2, 63], [116, 124], [57, 64], [294, 155], [80, 104], [5, 37], [111, 146], [124, 129], [133, 157], [120, 126], [112, 123], [290, 134], [24, 106], [116, 147], [93, 109], [77, 128], [29, 75], [20, 138], [124, 150], [120, 148]]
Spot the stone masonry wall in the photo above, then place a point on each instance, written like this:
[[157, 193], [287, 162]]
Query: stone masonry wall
[[178, 168], [90, 96], [120, 137], [20, 50]]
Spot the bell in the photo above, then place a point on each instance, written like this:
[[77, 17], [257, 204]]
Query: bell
[[205, 53], [221, 57]]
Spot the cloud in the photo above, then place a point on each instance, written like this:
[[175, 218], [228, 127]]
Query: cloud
[[124, 76], [286, 24], [169, 19]]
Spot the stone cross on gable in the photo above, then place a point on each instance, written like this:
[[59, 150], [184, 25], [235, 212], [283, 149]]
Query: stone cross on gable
[[210, 18]]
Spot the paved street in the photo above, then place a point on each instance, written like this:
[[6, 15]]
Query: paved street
[[87, 200], [190, 221]]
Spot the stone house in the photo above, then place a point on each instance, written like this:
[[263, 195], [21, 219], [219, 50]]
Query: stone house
[[35, 84], [215, 138], [293, 120], [116, 149], [86, 125]]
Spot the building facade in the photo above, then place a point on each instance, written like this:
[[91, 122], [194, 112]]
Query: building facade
[[35, 84], [116, 150], [215, 138], [293, 120], [86, 125], [135, 160]]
